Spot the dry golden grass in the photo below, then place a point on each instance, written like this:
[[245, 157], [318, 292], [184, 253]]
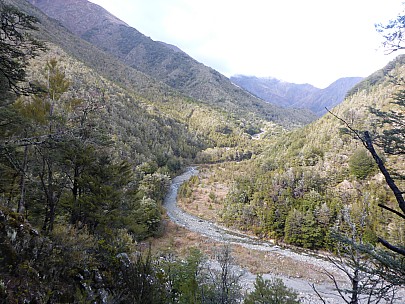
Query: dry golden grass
[[179, 241], [207, 196], [270, 262]]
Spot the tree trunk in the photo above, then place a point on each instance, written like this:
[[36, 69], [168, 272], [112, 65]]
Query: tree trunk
[[76, 210], [355, 288], [21, 201]]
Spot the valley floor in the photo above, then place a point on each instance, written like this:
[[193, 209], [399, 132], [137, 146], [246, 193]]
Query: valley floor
[[299, 270]]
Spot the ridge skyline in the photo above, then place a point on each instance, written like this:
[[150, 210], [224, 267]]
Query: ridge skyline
[[313, 47]]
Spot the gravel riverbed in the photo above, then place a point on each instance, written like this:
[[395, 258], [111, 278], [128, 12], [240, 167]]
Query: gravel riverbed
[[305, 263], [222, 234]]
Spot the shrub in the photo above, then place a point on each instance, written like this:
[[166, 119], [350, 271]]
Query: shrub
[[361, 164], [271, 292]]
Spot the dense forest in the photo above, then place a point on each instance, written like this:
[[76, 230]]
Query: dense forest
[[85, 164], [305, 178], [89, 144]]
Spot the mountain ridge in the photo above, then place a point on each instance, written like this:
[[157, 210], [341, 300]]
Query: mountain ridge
[[78, 207], [166, 64], [293, 95]]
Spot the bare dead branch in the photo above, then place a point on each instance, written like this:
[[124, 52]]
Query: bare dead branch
[[390, 182], [355, 132], [392, 210], [368, 144], [317, 293], [391, 247]]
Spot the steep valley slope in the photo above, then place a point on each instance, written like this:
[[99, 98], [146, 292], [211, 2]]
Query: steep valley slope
[[160, 61]]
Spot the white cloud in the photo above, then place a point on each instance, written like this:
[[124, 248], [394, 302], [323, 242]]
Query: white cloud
[[314, 41]]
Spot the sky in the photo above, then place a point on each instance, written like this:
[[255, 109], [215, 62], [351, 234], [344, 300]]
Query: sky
[[300, 41]]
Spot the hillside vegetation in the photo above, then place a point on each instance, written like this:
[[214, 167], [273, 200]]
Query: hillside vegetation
[[92, 130], [304, 179], [176, 69], [86, 159]]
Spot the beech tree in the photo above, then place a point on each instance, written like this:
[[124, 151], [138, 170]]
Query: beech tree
[[17, 46], [393, 33], [361, 164]]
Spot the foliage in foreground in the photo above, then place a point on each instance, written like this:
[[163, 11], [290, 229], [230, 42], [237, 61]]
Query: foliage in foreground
[[271, 292], [71, 265]]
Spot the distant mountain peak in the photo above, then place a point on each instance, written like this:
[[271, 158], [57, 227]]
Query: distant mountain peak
[[163, 62], [292, 95]]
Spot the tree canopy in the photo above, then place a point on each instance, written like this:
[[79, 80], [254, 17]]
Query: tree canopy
[[17, 46]]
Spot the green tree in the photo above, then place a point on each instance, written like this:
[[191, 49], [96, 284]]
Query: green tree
[[154, 186], [271, 291], [48, 153], [312, 236], [191, 279], [17, 46], [102, 194], [293, 227], [361, 164], [184, 278]]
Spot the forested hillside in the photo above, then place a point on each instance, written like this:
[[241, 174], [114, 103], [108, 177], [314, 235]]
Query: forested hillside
[[91, 133], [111, 117], [88, 146], [176, 69], [303, 180]]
